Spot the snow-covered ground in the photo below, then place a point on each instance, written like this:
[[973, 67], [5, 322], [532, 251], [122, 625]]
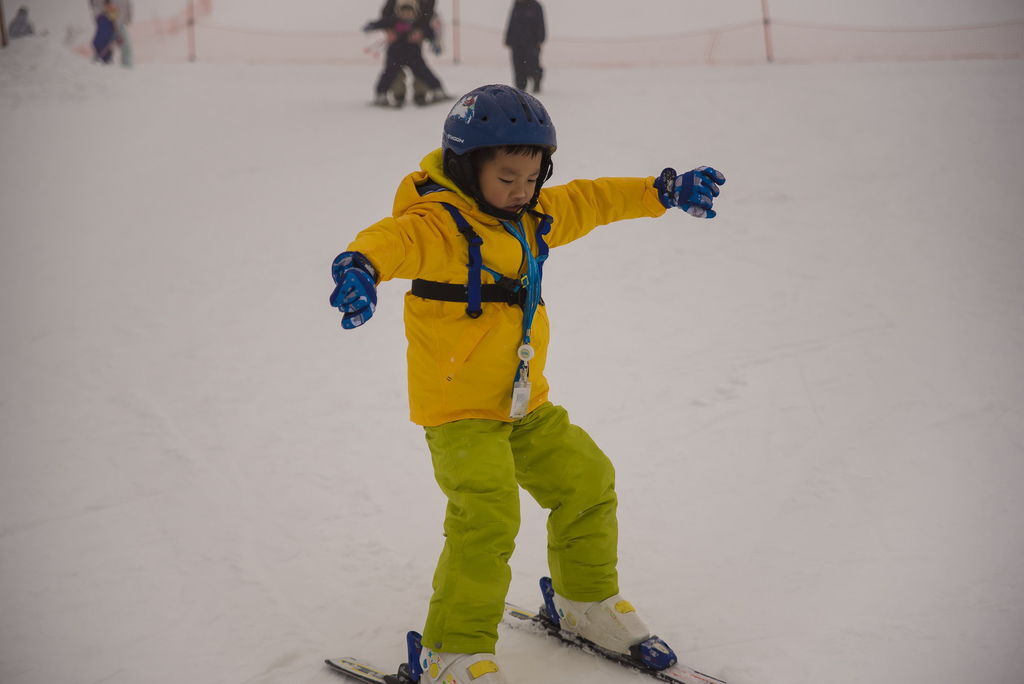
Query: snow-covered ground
[[815, 402]]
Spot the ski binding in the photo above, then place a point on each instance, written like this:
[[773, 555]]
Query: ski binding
[[677, 673]]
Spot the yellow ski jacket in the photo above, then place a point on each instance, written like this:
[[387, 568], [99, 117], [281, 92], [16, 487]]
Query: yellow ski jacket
[[462, 367]]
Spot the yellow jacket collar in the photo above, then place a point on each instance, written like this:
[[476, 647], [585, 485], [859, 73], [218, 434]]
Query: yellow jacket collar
[[433, 164], [431, 170]]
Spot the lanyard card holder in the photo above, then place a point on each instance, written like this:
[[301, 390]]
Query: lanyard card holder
[[521, 387], [520, 399]]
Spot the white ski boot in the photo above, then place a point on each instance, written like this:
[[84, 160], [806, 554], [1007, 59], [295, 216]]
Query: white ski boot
[[613, 624], [459, 668]]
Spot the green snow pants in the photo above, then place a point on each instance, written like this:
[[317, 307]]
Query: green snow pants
[[480, 465]]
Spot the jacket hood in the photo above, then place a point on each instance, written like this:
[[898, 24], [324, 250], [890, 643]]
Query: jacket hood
[[431, 170]]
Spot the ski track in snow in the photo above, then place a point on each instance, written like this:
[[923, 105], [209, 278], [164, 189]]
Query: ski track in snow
[[815, 402]]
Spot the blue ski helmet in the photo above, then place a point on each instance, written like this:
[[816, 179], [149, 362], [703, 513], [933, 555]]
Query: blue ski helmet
[[494, 115]]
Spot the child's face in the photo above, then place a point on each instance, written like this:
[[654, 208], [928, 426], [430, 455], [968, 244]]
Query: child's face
[[508, 180]]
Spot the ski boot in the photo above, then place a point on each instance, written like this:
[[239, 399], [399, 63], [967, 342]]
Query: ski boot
[[420, 93], [612, 625], [427, 666]]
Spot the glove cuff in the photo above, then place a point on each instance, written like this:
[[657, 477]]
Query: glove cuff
[[665, 184], [347, 260]]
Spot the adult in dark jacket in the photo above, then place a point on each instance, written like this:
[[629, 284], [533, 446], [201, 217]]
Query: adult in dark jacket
[[406, 29], [524, 36]]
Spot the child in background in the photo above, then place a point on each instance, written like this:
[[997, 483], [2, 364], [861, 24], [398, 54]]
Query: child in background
[[20, 25], [106, 33], [472, 229]]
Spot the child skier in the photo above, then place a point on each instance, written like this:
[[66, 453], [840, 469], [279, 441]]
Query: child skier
[[20, 25], [472, 229], [105, 38]]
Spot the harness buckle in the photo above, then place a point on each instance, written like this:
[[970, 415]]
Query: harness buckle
[[514, 292]]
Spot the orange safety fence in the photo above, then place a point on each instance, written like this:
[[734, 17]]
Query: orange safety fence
[[804, 42], [735, 44]]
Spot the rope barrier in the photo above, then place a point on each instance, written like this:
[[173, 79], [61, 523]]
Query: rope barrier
[[177, 23], [280, 34], [633, 39], [894, 29]]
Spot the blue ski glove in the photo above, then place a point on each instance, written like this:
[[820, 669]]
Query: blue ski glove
[[694, 191], [355, 293]]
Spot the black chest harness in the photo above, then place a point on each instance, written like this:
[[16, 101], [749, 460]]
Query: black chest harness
[[516, 291]]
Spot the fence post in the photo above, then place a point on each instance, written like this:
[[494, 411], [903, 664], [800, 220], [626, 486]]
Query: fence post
[[455, 32], [769, 52], [191, 21], [3, 26]]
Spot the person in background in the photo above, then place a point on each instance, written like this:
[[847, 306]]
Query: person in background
[[124, 17], [430, 24], [524, 36], [106, 33], [406, 30], [20, 26]]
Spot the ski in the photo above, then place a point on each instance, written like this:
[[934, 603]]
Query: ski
[[358, 671], [540, 623]]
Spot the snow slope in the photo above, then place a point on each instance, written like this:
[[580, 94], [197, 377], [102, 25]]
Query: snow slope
[[815, 402]]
